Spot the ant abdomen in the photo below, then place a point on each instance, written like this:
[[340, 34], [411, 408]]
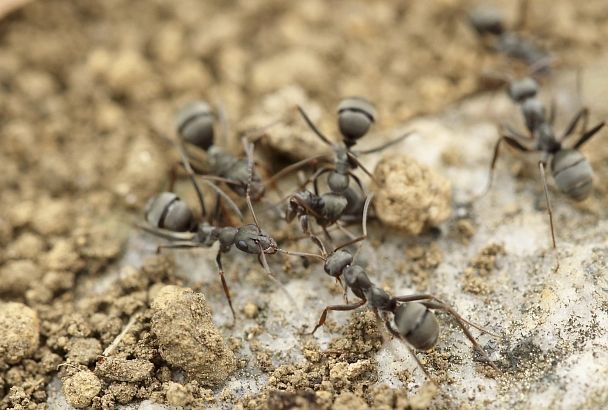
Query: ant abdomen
[[572, 173], [194, 124], [417, 324], [167, 211], [487, 21], [355, 117], [521, 90]]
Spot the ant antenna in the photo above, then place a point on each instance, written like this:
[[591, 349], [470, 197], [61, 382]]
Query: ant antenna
[[313, 126]]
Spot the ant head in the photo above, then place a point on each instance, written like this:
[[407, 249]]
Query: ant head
[[417, 325], [337, 261], [355, 117], [487, 21], [194, 124], [251, 239], [167, 211]]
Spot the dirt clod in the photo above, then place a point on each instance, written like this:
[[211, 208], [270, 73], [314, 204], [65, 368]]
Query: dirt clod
[[81, 388], [177, 395], [410, 196], [124, 370], [187, 337], [19, 332], [83, 350]]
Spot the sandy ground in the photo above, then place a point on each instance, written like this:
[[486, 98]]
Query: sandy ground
[[87, 91]]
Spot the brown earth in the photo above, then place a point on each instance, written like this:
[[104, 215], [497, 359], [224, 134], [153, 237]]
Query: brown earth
[[88, 89]]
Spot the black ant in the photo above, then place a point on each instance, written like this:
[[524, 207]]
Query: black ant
[[355, 117], [413, 318], [171, 218], [570, 169], [489, 25]]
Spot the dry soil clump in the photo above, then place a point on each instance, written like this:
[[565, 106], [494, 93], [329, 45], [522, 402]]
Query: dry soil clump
[[187, 337], [410, 196], [19, 332], [81, 388]]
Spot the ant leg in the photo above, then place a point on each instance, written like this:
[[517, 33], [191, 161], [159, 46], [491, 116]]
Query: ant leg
[[306, 254], [186, 163], [177, 245], [249, 151], [340, 308], [218, 261], [385, 145], [583, 114], [409, 348], [313, 127], [587, 135], [327, 234], [221, 193], [552, 112], [344, 230], [293, 167], [315, 177], [541, 166], [353, 158], [368, 200], [513, 142], [434, 299], [264, 262], [462, 324], [165, 233]]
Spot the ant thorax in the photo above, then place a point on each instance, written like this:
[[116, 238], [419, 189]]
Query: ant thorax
[[545, 139], [206, 234]]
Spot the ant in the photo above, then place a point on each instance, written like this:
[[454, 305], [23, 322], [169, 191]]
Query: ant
[[570, 169], [413, 318], [171, 218], [356, 115], [195, 125], [489, 25]]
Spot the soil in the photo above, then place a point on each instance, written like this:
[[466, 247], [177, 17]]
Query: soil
[[90, 317]]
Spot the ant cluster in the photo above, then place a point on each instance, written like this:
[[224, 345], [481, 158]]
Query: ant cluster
[[409, 318]]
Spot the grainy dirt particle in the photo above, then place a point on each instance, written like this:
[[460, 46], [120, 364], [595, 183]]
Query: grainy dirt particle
[[187, 337], [410, 196], [81, 388], [349, 401], [17, 276], [177, 394], [26, 246], [476, 274], [123, 392], [19, 332], [250, 310], [83, 350], [124, 370]]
